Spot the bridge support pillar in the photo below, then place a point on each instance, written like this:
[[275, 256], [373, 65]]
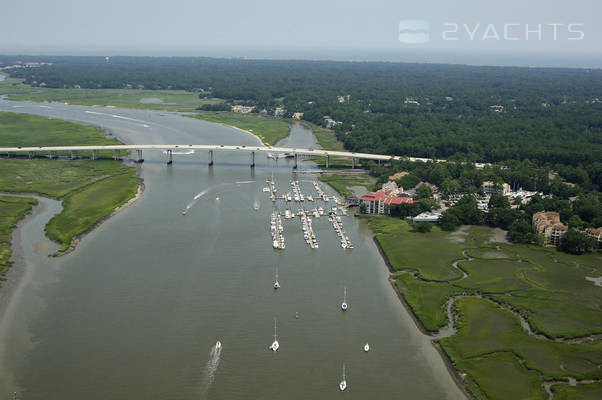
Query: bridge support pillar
[[115, 154], [252, 159], [352, 162], [210, 157], [30, 154], [140, 159], [71, 156], [170, 161], [53, 155], [93, 154], [379, 163], [327, 160], [296, 161]]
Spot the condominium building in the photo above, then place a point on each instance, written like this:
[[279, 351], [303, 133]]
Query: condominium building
[[548, 226]]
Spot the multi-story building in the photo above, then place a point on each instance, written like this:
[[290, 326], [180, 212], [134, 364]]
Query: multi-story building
[[548, 226], [381, 202]]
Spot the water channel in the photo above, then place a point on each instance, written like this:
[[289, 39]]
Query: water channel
[[135, 311]]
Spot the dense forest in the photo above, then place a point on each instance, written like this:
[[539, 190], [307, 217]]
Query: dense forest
[[546, 115]]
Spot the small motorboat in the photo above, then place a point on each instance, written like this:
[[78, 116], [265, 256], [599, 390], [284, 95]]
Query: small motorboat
[[218, 345], [296, 315], [217, 198], [366, 347]]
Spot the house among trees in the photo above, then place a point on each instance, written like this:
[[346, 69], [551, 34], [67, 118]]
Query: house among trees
[[595, 234], [548, 226], [490, 187]]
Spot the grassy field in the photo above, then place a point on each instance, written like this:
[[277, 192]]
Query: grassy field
[[12, 209], [343, 183], [90, 190], [89, 204], [429, 255], [326, 138], [170, 100], [486, 331], [268, 129], [592, 391], [30, 131], [548, 288]]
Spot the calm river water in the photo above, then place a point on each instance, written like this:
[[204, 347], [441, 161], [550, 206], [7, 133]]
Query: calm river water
[[135, 311]]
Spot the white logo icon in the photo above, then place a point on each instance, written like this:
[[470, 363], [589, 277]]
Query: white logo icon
[[414, 31]]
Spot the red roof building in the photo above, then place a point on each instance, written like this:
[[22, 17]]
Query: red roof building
[[380, 203]]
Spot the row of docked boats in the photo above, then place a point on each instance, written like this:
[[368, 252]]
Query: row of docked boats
[[321, 193], [337, 224], [276, 228], [271, 188], [308, 230]]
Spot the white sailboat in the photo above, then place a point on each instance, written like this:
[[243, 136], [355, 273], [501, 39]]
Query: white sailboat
[[275, 345], [343, 384], [276, 283], [344, 305]]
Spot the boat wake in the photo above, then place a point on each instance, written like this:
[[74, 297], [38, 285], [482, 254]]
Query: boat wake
[[211, 368], [194, 200]]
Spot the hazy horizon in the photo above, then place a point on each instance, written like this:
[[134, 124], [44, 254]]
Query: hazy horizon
[[434, 56], [536, 33]]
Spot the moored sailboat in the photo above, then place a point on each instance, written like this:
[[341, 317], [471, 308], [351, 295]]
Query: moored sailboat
[[344, 305], [275, 345], [343, 384]]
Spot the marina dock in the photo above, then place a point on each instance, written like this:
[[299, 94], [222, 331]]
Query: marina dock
[[335, 211]]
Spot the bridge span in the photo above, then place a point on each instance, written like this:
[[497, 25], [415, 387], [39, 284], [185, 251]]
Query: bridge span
[[170, 148]]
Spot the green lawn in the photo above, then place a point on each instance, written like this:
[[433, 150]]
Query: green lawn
[[12, 209], [54, 178], [430, 254], [495, 276], [86, 206], [269, 130], [427, 299], [589, 391], [500, 376], [171, 100], [326, 138], [343, 183], [546, 287], [90, 190], [484, 329]]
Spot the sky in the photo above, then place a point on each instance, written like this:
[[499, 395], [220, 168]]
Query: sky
[[335, 29]]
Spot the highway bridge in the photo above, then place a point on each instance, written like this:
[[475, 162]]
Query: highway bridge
[[171, 148]]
